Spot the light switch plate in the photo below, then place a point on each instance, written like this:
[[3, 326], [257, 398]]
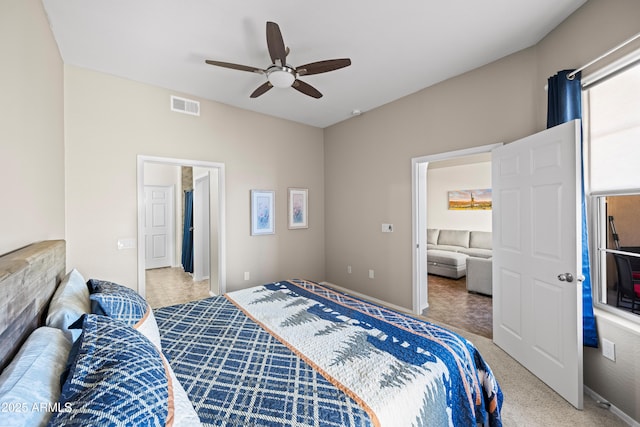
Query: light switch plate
[[128, 243]]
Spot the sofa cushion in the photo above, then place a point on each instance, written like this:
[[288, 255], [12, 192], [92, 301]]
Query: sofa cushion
[[454, 238], [446, 257], [446, 263], [432, 236], [479, 275], [449, 248], [480, 239], [477, 252]]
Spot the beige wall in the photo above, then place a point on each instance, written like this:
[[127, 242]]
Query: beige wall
[[31, 127], [109, 121], [368, 163], [441, 180], [617, 382], [368, 166]]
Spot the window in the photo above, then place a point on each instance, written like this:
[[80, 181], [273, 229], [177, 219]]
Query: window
[[612, 126]]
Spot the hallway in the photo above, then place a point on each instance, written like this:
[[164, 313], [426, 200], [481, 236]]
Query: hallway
[[171, 285]]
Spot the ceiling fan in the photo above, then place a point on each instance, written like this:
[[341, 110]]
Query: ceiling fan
[[281, 74]]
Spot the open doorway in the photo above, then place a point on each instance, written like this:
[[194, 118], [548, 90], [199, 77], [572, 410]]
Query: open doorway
[[419, 166], [459, 225], [205, 181]]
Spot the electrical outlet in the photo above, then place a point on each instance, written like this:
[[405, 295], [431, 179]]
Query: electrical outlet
[[348, 269], [371, 275], [387, 228], [247, 276], [609, 349]]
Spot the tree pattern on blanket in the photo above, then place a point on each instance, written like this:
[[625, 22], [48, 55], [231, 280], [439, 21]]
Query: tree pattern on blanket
[[300, 318], [296, 302], [357, 347], [399, 374], [433, 408], [334, 327], [273, 297]]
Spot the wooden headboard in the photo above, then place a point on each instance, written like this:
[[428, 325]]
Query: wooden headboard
[[28, 279]]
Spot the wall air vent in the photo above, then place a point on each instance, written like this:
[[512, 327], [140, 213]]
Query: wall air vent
[[186, 106]]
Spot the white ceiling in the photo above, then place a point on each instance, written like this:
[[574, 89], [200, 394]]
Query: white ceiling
[[397, 47]]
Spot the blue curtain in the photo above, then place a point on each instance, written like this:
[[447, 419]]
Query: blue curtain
[[187, 233], [564, 103]]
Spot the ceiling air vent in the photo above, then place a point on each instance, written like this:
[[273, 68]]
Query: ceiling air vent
[[186, 106]]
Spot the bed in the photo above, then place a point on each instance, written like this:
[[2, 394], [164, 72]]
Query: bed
[[293, 352]]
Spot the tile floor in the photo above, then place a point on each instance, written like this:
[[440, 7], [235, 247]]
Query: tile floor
[[171, 285], [449, 302]]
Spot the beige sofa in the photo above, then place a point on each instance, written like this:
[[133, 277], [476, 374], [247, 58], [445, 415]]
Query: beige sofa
[[448, 251]]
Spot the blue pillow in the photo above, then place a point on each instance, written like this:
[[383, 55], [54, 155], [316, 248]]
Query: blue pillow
[[122, 303], [116, 301], [118, 377]]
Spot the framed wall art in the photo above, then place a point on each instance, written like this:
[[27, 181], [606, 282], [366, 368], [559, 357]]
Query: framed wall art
[[470, 199], [262, 212], [298, 208]]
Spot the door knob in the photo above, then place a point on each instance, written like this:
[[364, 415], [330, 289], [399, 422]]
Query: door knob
[[565, 277]]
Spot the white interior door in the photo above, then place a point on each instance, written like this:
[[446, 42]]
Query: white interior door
[[158, 230], [420, 280], [537, 289]]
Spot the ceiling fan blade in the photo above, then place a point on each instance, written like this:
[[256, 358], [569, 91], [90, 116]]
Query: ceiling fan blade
[[306, 88], [323, 66], [235, 66], [261, 89], [275, 43]]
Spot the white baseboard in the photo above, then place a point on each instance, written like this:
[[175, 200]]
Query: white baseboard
[[624, 417], [368, 298]]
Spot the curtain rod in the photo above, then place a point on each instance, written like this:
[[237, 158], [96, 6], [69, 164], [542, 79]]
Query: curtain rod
[[571, 75]]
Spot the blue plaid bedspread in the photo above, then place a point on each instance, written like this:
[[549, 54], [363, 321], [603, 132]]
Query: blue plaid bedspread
[[237, 370]]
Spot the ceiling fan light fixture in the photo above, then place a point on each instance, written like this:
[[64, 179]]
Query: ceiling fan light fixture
[[281, 76]]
